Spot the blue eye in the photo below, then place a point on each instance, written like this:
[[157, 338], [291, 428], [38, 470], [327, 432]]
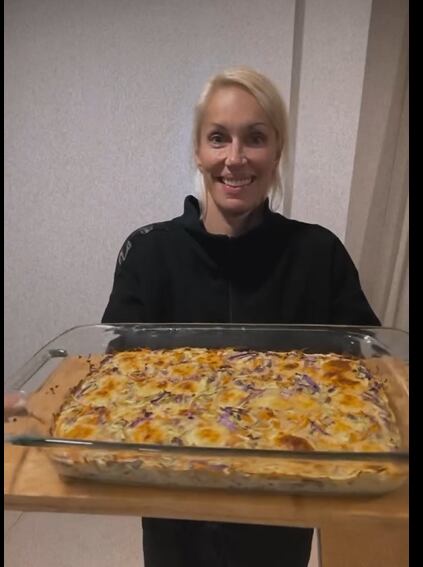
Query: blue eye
[[216, 138], [257, 138]]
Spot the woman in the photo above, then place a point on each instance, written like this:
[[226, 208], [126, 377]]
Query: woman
[[229, 258]]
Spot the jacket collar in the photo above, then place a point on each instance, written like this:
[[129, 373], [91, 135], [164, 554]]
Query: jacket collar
[[191, 221]]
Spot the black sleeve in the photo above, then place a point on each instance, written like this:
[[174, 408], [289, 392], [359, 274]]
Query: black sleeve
[[125, 302], [349, 305]]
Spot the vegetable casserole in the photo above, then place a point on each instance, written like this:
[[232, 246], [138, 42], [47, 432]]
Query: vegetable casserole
[[229, 398]]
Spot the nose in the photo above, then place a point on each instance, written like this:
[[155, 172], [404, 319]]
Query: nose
[[235, 154]]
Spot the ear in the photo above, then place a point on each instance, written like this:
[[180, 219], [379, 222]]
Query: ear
[[199, 164], [276, 162], [278, 155]]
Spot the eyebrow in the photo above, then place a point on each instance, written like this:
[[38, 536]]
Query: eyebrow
[[253, 125]]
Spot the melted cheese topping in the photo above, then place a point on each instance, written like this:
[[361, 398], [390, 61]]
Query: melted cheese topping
[[231, 398]]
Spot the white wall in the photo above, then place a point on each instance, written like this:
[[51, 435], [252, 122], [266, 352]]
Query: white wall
[[98, 106], [331, 83]]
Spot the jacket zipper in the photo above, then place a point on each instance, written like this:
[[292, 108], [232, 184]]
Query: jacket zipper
[[229, 274], [230, 301]]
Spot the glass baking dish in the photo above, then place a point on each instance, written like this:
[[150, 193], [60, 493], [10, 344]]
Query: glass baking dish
[[385, 350]]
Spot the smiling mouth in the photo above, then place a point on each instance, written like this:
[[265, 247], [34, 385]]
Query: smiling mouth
[[237, 182]]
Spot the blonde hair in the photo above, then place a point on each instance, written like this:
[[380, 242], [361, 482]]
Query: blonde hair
[[270, 100]]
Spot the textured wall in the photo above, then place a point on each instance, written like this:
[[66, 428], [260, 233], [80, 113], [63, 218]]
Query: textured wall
[[331, 82], [98, 105]]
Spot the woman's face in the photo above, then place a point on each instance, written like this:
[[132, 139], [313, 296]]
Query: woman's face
[[238, 152]]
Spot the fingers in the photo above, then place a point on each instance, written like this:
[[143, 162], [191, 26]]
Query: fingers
[[14, 404]]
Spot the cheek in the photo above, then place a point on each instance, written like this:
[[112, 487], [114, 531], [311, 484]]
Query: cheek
[[206, 161], [267, 167]]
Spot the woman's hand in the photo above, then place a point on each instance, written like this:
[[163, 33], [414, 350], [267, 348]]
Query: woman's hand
[[14, 404]]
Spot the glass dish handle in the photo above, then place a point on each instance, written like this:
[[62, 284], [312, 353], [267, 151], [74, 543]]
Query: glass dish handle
[[21, 377], [15, 395]]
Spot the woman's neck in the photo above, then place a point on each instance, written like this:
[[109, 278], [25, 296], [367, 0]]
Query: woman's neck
[[217, 221]]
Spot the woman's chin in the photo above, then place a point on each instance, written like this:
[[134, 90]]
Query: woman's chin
[[237, 204]]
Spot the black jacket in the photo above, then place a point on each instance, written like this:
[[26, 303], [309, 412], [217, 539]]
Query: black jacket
[[282, 271]]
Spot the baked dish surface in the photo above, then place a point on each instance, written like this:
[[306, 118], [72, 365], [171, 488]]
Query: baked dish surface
[[232, 399]]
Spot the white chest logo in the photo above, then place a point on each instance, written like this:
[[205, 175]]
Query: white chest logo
[[124, 252]]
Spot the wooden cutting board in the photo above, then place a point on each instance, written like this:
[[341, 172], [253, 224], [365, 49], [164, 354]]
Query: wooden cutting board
[[31, 483]]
